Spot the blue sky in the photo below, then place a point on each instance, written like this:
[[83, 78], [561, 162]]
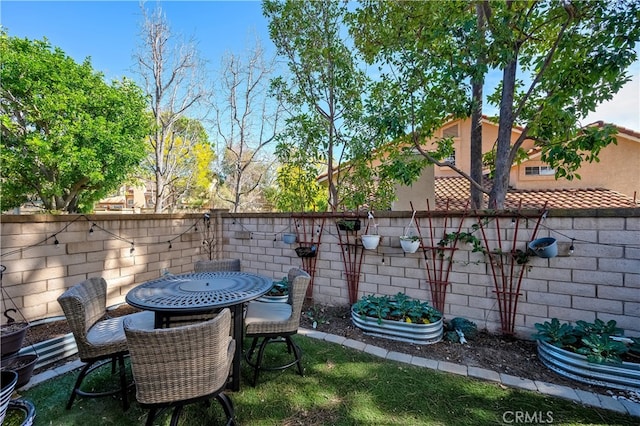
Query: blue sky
[[108, 32]]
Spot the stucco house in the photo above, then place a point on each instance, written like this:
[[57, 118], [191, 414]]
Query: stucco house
[[614, 181]]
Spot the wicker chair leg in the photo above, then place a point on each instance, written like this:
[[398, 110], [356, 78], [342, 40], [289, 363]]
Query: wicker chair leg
[[227, 406]]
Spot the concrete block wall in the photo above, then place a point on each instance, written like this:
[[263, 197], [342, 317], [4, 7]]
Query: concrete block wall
[[601, 279], [38, 270]]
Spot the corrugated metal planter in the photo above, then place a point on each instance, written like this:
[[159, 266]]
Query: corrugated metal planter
[[624, 376], [52, 350], [420, 334]]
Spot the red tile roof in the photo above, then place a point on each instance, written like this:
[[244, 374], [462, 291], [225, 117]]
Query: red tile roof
[[455, 190]]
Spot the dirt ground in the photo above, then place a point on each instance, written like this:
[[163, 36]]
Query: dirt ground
[[503, 354]]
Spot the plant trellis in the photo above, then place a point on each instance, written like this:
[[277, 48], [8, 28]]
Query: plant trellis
[[508, 265], [352, 255], [309, 229], [438, 256]]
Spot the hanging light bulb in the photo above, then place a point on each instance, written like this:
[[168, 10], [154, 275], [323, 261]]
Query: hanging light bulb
[[91, 229], [170, 246], [513, 221], [132, 249], [571, 247], [55, 241]]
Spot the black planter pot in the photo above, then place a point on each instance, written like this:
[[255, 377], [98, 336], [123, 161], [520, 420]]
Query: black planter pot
[[12, 337], [307, 251], [21, 364]]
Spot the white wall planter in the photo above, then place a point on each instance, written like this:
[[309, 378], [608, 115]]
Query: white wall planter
[[624, 376], [409, 245], [421, 334], [370, 242]]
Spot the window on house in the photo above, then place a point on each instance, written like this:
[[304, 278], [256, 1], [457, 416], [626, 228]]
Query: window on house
[[451, 131], [539, 171], [451, 159]]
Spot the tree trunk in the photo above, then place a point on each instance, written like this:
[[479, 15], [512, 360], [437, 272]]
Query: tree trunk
[[476, 124], [503, 165]]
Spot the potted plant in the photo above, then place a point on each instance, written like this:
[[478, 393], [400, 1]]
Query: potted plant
[[595, 353], [307, 251], [279, 292], [289, 238], [410, 243], [544, 247], [12, 335], [371, 240], [398, 318]]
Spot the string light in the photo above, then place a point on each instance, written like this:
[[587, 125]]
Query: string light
[[91, 229], [55, 241], [132, 249], [170, 246], [571, 247]]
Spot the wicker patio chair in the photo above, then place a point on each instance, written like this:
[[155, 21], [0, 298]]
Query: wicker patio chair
[[276, 323], [98, 339], [217, 265], [176, 366]]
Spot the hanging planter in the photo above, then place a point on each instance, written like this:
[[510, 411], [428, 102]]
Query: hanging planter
[[307, 251], [288, 238], [21, 364], [12, 337], [410, 241], [370, 242], [410, 244], [544, 247]]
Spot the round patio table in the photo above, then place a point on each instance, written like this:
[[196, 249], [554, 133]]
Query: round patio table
[[172, 296]]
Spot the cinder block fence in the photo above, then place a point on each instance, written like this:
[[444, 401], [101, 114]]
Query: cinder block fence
[[600, 278]]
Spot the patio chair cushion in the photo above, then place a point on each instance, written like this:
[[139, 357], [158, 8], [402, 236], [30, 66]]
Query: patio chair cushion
[[111, 331], [262, 312]]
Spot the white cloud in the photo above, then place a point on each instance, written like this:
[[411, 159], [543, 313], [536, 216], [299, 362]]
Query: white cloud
[[624, 108]]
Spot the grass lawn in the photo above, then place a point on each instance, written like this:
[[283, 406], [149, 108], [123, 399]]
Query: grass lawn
[[341, 386]]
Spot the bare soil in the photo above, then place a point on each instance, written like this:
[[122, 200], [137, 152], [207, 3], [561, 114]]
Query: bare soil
[[504, 354]]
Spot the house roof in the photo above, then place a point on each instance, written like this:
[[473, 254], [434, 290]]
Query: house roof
[[455, 190]]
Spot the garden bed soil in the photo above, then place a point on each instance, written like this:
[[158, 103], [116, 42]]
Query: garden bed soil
[[504, 354]]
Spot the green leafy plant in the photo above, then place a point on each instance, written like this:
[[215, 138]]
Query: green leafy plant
[[609, 328], [555, 333], [317, 315], [410, 238], [599, 341], [599, 348], [464, 237], [279, 288], [459, 329], [399, 308]]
